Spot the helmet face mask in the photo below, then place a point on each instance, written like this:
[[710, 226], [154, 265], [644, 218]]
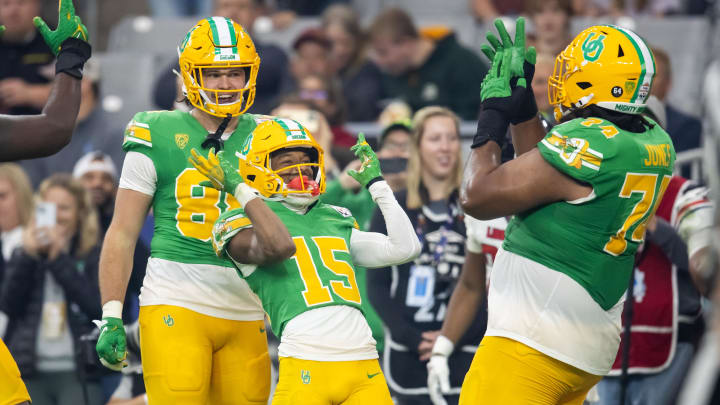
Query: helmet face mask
[[609, 66], [218, 43], [270, 139]]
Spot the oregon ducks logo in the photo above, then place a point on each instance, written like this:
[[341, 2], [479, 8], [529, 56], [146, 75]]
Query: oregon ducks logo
[[305, 376], [593, 47], [181, 140]]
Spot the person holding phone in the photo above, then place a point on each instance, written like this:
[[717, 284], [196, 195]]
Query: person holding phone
[[50, 293]]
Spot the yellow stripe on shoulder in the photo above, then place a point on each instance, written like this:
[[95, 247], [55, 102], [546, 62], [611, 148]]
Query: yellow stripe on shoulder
[[138, 132]]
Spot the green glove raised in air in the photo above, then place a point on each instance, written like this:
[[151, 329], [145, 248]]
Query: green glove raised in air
[[522, 69], [111, 346], [69, 26], [369, 172]]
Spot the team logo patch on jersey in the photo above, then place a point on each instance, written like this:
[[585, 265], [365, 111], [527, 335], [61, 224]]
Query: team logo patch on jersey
[[343, 211], [305, 376], [181, 140]]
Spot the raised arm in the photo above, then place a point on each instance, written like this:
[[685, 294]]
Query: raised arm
[[32, 136], [492, 190], [372, 249]]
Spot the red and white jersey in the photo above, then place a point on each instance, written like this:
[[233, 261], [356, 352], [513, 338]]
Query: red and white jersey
[[485, 237]]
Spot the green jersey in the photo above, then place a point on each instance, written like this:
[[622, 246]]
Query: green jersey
[[184, 211], [321, 272], [593, 240]]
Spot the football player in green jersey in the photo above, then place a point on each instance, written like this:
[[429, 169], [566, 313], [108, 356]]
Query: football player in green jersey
[[201, 327], [581, 196], [33, 136], [327, 353]]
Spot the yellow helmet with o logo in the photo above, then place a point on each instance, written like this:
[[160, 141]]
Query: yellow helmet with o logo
[[269, 137], [218, 42], [605, 65]]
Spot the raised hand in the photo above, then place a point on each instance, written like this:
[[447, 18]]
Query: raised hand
[[521, 65], [222, 175], [522, 60], [111, 345], [69, 26], [496, 83], [369, 166]]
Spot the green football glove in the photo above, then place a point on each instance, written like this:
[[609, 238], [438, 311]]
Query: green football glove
[[69, 26], [520, 55], [111, 346], [222, 175], [522, 68], [369, 172], [2, 29], [496, 83]]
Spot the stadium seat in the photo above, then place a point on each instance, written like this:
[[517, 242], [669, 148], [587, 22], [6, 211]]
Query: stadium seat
[[126, 83], [285, 38], [143, 34]]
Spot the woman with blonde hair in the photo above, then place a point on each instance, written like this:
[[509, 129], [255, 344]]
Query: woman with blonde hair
[[16, 204], [412, 299], [51, 294]]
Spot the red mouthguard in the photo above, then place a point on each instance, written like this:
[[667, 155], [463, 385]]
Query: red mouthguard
[[304, 183]]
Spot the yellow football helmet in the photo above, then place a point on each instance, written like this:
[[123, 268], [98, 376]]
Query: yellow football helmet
[[605, 65], [271, 136], [218, 42]]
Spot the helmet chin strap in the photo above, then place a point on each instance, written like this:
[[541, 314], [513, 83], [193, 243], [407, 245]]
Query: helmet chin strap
[[213, 140]]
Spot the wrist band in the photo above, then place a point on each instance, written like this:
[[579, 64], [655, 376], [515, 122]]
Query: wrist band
[[492, 126], [112, 309], [373, 181], [72, 57], [443, 346], [244, 193]]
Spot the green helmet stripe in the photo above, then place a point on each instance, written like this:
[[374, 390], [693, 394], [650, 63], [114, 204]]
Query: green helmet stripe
[[647, 61], [214, 30], [289, 126], [233, 34]]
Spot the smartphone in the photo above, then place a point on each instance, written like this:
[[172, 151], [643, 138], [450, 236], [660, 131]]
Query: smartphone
[[45, 214], [393, 165]]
